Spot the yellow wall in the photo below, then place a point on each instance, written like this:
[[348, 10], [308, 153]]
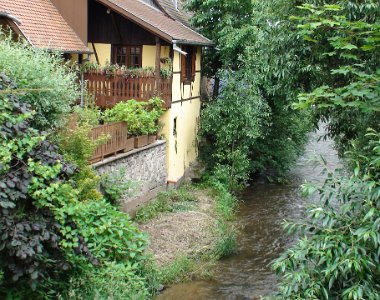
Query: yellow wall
[[182, 149], [149, 55], [103, 51]]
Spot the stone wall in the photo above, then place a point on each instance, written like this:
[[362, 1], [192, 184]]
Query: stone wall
[[146, 167]]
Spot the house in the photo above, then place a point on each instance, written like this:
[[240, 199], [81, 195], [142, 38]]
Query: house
[[132, 33]]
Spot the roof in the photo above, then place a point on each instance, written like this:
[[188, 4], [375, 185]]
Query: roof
[[43, 26], [177, 14], [156, 21]]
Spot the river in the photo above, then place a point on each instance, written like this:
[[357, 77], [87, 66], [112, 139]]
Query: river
[[248, 274]]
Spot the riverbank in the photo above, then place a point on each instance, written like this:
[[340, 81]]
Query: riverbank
[[187, 232]]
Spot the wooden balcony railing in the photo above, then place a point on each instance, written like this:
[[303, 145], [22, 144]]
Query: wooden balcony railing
[[117, 140], [108, 90]]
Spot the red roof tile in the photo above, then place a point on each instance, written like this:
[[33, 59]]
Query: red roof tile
[[178, 13], [156, 21], [43, 26]]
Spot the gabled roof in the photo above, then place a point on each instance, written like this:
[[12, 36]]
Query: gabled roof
[[43, 26], [156, 21], [177, 13]]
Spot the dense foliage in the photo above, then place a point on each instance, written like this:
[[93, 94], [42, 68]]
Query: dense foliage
[[250, 127], [337, 256], [142, 117], [51, 86], [227, 25], [347, 56], [59, 236], [30, 233]]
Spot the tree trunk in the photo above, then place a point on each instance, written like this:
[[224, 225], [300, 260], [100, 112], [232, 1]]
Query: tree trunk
[[215, 92]]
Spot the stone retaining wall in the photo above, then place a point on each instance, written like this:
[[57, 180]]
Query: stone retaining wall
[[146, 167]]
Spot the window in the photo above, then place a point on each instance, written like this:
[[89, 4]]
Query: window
[[130, 56], [188, 65]]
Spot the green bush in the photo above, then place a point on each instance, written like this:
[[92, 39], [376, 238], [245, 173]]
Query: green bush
[[115, 186], [112, 281], [142, 117], [87, 115], [337, 254], [31, 233], [54, 230], [49, 84]]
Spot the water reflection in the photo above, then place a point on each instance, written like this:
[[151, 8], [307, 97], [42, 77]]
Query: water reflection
[[248, 274]]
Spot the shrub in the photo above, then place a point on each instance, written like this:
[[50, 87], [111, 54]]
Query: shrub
[[112, 281], [142, 117], [49, 84], [50, 230], [337, 254], [31, 234], [115, 186]]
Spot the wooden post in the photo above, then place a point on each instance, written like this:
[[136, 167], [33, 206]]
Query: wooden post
[[158, 64]]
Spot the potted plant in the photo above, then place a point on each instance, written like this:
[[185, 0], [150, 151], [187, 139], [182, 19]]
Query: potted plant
[[142, 119], [154, 106]]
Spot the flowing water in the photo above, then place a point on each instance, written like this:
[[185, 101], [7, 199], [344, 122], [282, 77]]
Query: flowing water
[[248, 274]]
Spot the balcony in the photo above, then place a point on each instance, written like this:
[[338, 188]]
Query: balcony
[[109, 89]]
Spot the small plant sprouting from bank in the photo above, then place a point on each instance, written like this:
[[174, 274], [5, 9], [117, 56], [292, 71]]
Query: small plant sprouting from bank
[[186, 268], [226, 244], [115, 186]]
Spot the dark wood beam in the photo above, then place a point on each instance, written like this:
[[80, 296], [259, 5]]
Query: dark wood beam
[[158, 63]]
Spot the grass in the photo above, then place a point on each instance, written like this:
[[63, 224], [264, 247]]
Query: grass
[[181, 199], [185, 268], [223, 210], [226, 243]]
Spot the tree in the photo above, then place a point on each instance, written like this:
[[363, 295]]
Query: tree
[[51, 85], [257, 92], [337, 256], [227, 25]]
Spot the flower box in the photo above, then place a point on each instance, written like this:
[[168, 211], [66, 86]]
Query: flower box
[[141, 141], [152, 138], [129, 144]]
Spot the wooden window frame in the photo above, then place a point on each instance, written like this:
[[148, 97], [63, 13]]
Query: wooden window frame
[[188, 65], [128, 63]]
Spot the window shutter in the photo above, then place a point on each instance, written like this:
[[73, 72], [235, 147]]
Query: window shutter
[[193, 64], [183, 68]]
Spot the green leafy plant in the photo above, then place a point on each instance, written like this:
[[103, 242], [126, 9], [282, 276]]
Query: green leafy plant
[[141, 117], [166, 71], [87, 115], [113, 281], [115, 186], [31, 234], [46, 82], [337, 254], [347, 53]]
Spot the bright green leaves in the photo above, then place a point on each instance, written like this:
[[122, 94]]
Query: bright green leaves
[[142, 117], [338, 258], [353, 85], [50, 83]]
